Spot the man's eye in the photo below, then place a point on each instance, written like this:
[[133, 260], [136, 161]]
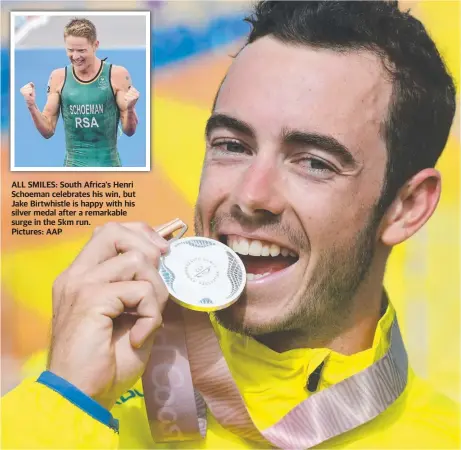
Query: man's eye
[[228, 146], [316, 165]]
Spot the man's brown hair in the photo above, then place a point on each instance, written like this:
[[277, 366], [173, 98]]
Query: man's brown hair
[[81, 28]]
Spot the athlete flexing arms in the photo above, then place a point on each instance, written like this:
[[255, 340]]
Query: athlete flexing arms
[[93, 97]]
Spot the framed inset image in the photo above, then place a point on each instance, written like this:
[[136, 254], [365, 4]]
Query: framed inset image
[[80, 91]]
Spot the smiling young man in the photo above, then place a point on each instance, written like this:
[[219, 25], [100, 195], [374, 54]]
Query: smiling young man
[[320, 158], [93, 97]]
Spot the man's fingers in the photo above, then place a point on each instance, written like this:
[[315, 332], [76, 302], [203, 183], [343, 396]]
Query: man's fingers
[[28, 89], [139, 297], [143, 229], [112, 239], [142, 300], [149, 232], [132, 265], [142, 330], [132, 92]]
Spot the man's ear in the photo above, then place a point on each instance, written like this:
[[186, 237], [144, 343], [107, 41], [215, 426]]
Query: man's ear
[[96, 45], [413, 206]]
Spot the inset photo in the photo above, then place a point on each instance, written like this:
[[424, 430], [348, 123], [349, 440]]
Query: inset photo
[[80, 91]]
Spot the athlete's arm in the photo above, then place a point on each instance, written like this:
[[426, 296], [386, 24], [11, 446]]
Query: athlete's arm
[[45, 121], [37, 415], [126, 97]]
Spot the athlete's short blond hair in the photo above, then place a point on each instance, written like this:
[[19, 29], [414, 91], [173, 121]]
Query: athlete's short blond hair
[[81, 28]]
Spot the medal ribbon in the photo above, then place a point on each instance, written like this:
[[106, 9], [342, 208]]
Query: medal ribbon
[[187, 365]]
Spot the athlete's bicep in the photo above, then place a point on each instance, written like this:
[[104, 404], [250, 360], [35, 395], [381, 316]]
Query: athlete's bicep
[[123, 79], [122, 82]]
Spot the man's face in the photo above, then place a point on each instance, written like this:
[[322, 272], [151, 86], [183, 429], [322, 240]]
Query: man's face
[[80, 51], [294, 169]]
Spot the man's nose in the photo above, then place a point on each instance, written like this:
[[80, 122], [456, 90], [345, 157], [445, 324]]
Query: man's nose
[[259, 192]]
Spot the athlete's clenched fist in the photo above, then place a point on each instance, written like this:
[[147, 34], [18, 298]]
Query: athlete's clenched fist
[[106, 308], [28, 92], [131, 97]]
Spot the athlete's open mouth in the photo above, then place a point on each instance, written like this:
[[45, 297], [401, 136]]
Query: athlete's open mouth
[[261, 258]]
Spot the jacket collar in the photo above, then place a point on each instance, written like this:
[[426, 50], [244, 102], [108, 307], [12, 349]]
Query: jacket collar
[[256, 367]]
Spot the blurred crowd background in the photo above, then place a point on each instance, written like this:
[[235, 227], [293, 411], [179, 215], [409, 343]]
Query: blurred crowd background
[[192, 44]]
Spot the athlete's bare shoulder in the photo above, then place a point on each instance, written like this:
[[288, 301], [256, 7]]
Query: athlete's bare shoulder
[[56, 80], [119, 70], [120, 78]]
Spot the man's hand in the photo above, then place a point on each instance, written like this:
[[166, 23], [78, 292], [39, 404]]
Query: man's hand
[[131, 97], [28, 92], [106, 308]]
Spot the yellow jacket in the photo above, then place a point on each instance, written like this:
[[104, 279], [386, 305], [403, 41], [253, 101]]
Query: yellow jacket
[[35, 416]]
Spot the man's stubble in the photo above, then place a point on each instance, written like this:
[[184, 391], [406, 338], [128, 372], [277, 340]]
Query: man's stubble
[[324, 305]]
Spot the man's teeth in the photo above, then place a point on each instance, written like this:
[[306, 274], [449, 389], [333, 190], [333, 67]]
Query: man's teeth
[[255, 276], [255, 247]]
